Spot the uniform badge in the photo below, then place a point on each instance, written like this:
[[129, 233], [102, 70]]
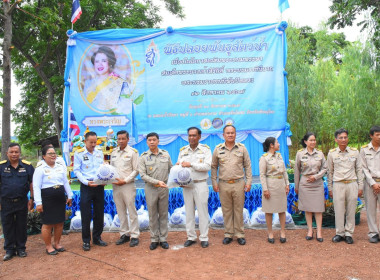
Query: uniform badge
[[85, 157], [150, 168], [22, 169]]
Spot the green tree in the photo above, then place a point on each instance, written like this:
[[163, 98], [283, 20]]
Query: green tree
[[345, 12], [40, 40]]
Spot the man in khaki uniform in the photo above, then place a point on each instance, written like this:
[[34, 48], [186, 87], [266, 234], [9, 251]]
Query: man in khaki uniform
[[197, 157], [233, 162], [154, 168], [345, 183], [124, 159], [370, 158]]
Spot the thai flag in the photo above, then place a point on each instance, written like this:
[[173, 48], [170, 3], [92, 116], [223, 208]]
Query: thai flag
[[73, 125], [76, 11]]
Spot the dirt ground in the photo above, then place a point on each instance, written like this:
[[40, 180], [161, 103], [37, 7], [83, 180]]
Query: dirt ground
[[296, 259]]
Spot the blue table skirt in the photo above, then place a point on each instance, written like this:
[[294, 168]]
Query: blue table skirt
[[252, 199]]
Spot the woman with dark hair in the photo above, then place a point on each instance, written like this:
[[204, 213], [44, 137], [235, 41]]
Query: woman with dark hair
[[50, 185], [275, 184], [107, 89], [308, 172]]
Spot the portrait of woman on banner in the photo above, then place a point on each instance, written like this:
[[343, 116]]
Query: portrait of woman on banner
[[106, 82]]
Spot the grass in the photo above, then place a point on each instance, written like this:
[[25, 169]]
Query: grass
[[75, 186]]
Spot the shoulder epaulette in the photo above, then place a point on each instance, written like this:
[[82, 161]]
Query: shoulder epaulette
[[182, 148], [219, 145], [354, 149], [133, 149], [39, 163], [318, 150], [26, 162], [206, 146], [332, 150], [300, 150], [164, 151], [79, 150], [3, 161], [144, 153], [240, 144], [265, 154], [365, 146]]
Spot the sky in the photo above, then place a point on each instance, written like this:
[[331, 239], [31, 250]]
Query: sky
[[214, 12]]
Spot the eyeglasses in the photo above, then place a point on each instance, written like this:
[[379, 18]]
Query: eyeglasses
[[51, 154]]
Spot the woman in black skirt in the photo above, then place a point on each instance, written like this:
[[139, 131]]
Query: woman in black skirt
[[50, 187]]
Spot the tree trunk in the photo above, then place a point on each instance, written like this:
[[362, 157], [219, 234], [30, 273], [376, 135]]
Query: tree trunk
[[6, 114]]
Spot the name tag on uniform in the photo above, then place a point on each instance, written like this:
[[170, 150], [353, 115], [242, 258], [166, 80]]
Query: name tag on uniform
[[22, 169], [85, 157]]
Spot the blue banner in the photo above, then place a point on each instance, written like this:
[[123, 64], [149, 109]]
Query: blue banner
[[199, 76]]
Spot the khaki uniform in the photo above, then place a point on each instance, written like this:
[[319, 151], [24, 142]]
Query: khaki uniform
[[274, 178], [311, 195], [345, 177], [232, 164], [125, 161], [200, 159], [371, 168], [154, 168]]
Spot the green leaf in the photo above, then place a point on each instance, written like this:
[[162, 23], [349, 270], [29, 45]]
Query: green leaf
[[139, 99]]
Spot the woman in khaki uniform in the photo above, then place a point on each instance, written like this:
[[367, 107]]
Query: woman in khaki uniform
[[275, 184], [308, 172]]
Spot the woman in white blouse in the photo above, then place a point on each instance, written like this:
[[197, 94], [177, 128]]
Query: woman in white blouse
[[50, 187]]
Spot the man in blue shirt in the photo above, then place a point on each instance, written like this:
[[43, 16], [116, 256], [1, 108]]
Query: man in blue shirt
[[86, 162], [16, 178]]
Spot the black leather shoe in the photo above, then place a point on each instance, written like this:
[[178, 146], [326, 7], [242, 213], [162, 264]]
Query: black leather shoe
[[241, 241], [349, 240], [308, 238], [319, 239], [52, 253], [271, 240], [99, 242], [153, 245], [374, 239], [164, 245], [227, 240], [189, 243], [204, 244], [86, 246], [134, 242], [123, 239], [337, 238], [22, 253], [8, 256], [60, 250], [282, 239]]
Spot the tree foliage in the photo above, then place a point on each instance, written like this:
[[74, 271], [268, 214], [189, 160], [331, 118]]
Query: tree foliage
[[332, 84], [39, 29], [346, 12]]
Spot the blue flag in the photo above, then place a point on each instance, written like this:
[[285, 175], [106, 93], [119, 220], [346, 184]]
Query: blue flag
[[283, 5]]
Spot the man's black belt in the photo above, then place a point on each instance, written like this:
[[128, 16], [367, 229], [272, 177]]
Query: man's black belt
[[17, 199]]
